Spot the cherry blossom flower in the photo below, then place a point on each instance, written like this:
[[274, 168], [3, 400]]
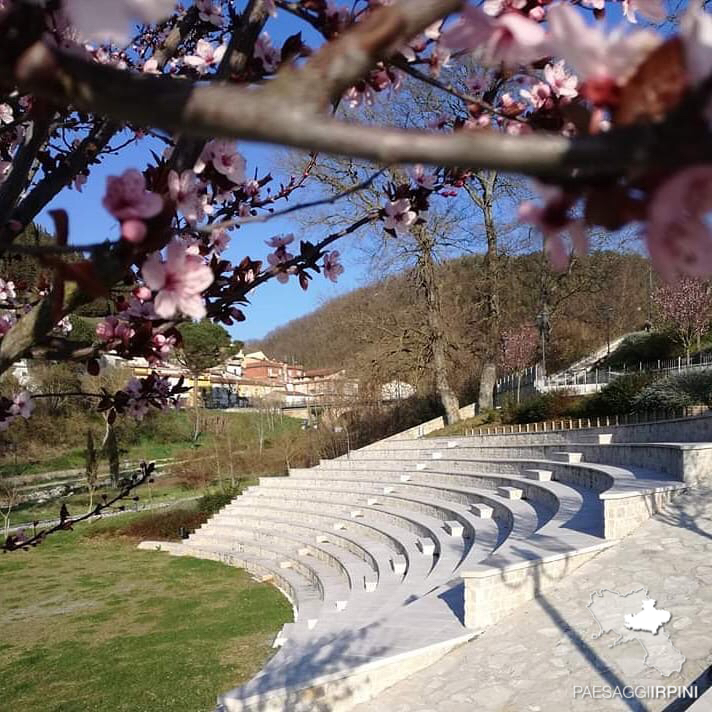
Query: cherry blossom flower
[[225, 159], [602, 61], [6, 114], [332, 267], [538, 95], [22, 405], [128, 200], [114, 329], [421, 177], [5, 167], [179, 281], [496, 7], [65, 325], [271, 7], [163, 345], [652, 10], [185, 190], [150, 66], [399, 216], [112, 20], [561, 83], [209, 11], [6, 323], [359, 94], [511, 38], [219, 241], [7, 291], [280, 241], [206, 56], [266, 53], [677, 235]]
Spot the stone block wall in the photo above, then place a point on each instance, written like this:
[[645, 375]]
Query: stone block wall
[[491, 593]]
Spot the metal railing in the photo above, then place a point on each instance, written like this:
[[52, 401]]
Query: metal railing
[[560, 424]]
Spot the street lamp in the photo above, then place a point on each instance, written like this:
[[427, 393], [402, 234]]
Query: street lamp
[[543, 320], [608, 316]]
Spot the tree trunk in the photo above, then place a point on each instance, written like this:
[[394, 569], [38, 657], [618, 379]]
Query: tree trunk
[[491, 265], [488, 380], [196, 409], [428, 287]]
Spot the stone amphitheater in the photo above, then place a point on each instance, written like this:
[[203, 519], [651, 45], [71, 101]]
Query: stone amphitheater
[[397, 554]]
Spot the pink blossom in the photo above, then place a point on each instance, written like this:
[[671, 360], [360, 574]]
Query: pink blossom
[[421, 177], [206, 56], [355, 96], [7, 291], [185, 191], [150, 66], [561, 83], [163, 345], [595, 56], [266, 53], [225, 159], [112, 20], [80, 181], [677, 236], [332, 267], [142, 293], [179, 281], [496, 7], [399, 216], [114, 329], [6, 115], [5, 167], [128, 200], [271, 7], [22, 405], [652, 10], [511, 38], [65, 325], [279, 241], [210, 11], [219, 241], [538, 95], [6, 323]]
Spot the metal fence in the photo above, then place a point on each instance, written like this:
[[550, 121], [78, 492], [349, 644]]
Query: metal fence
[[585, 423], [591, 380]]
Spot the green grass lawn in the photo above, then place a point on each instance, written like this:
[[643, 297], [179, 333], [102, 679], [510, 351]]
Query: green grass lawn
[[90, 623]]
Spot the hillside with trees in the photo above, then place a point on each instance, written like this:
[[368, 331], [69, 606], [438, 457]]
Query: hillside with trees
[[379, 331]]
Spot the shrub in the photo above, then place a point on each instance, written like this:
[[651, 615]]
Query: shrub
[[547, 406], [164, 526], [619, 396], [643, 347], [209, 504], [676, 391]]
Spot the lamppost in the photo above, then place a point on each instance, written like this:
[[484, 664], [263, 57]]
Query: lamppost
[[608, 317], [543, 320]]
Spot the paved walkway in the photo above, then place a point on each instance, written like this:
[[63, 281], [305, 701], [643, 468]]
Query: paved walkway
[[531, 661]]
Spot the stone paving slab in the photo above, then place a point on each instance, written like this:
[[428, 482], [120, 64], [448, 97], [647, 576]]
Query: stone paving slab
[[531, 660]]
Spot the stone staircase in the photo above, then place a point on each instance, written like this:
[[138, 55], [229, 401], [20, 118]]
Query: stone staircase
[[399, 552]]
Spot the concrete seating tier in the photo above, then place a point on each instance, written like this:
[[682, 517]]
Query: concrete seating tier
[[398, 552]]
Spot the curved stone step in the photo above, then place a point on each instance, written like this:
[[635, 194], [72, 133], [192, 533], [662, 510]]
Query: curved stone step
[[447, 552]]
